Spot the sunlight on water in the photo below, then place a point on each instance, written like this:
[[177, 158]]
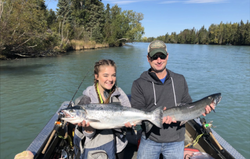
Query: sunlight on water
[[31, 90]]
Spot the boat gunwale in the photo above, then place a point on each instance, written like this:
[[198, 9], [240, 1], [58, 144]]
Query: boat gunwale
[[224, 143], [42, 137]]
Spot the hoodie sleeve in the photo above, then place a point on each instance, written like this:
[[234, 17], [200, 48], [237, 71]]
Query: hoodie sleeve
[[124, 98], [84, 100], [137, 98], [186, 97]]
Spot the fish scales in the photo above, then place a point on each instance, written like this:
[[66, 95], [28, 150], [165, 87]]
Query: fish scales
[[188, 111], [108, 116]]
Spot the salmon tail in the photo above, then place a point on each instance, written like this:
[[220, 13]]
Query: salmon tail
[[157, 117]]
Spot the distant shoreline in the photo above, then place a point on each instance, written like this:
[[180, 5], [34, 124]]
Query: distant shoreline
[[78, 46], [75, 46]]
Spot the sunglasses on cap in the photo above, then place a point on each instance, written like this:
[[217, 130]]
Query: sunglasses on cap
[[155, 56]]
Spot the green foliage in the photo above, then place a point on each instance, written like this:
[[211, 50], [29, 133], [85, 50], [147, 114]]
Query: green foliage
[[107, 25], [115, 25], [97, 35], [22, 26], [247, 34], [222, 34], [94, 18], [134, 27], [121, 26], [27, 27], [51, 18]]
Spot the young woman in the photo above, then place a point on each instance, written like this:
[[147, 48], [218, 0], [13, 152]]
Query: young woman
[[101, 143]]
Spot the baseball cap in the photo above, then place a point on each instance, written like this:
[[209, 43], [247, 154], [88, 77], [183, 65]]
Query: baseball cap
[[157, 46]]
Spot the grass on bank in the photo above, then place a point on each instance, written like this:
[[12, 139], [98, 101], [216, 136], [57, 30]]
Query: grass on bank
[[83, 45]]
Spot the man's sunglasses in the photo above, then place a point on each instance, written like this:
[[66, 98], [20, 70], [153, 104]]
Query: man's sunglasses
[[155, 56]]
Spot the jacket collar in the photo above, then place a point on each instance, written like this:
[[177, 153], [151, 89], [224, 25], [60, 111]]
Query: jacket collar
[[155, 78]]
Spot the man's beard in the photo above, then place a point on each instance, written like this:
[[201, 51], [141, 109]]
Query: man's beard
[[157, 71]]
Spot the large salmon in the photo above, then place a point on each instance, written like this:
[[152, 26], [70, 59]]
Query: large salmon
[[109, 116], [188, 111]]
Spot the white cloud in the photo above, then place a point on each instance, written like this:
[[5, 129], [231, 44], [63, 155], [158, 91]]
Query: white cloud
[[167, 2], [192, 1], [121, 2], [205, 1]]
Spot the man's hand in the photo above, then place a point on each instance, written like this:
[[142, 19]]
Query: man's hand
[[168, 119], [208, 109]]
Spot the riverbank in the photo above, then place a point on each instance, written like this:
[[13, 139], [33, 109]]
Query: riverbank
[[73, 45]]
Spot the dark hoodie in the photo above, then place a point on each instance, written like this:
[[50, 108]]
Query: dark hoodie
[[148, 93]]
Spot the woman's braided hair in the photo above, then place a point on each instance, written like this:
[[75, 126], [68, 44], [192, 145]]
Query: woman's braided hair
[[103, 62]]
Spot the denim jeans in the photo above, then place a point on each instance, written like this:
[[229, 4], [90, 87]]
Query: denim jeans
[[149, 149]]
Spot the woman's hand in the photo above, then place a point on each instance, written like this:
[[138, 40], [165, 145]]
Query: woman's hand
[[83, 124], [86, 126]]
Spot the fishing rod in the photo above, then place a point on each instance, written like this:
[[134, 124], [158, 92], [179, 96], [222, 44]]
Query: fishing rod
[[58, 123], [70, 105]]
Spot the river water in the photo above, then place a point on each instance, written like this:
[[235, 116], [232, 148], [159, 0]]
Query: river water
[[31, 90]]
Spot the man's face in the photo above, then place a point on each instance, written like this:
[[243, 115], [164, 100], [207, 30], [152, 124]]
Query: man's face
[[157, 62]]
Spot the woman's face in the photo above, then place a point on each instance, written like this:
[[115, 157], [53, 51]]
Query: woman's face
[[106, 77]]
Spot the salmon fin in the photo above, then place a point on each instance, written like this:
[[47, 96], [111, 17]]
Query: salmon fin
[[72, 120], [93, 120], [158, 114], [148, 126], [156, 118], [183, 122]]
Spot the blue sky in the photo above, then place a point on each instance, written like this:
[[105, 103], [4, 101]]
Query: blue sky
[[167, 16]]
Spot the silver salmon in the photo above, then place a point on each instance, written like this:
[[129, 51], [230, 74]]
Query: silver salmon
[[188, 111], [109, 116]]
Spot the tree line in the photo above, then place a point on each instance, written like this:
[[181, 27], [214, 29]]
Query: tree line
[[222, 34], [28, 28]]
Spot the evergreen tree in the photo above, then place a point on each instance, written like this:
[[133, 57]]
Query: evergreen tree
[[116, 20], [220, 30], [94, 16], [173, 38], [107, 25], [241, 31], [78, 14], [78, 19], [64, 10], [51, 18], [64, 18], [247, 33], [203, 35], [234, 34], [97, 34], [193, 37], [227, 33], [213, 34], [167, 38]]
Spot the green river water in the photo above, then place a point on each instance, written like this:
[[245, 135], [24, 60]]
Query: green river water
[[31, 90]]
